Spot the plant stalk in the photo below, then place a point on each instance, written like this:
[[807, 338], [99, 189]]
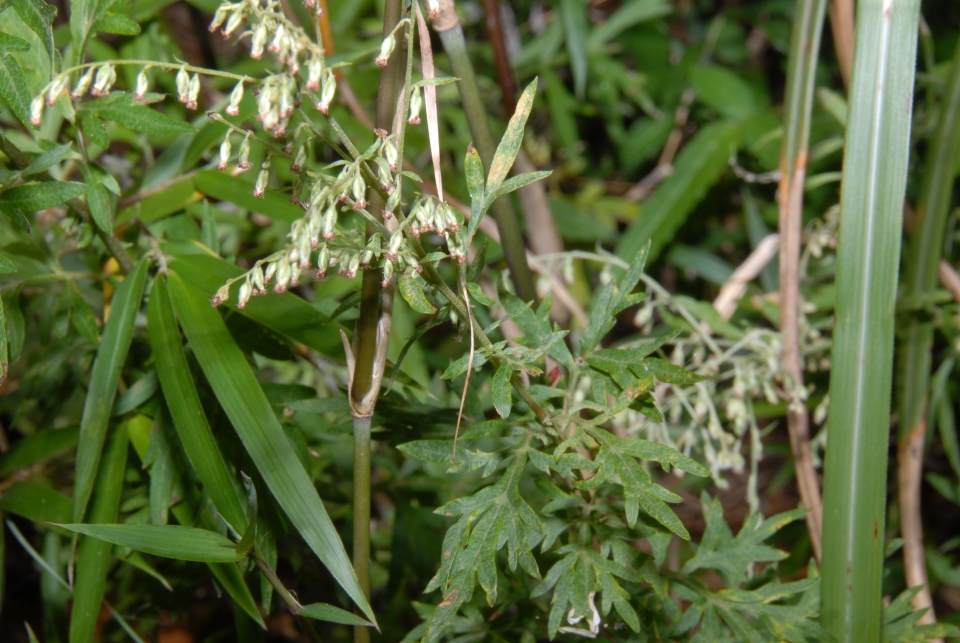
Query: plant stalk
[[801, 72], [924, 250], [454, 43], [874, 182]]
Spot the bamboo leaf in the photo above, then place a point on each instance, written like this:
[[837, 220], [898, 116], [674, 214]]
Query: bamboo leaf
[[112, 353], [874, 181], [168, 541], [252, 416], [573, 13], [331, 614], [413, 294], [93, 559], [36, 502], [186, 409], [697, 168]]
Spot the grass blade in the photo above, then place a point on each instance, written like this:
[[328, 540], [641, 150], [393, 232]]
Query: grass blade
[[168, 541], [874, 180], [247, 407], [117, 334], [93, 561], [184, 403]]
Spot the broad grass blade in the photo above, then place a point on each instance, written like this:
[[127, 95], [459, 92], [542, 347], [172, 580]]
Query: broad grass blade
[[874, 181], [184, 404], [111, 355], [250, 412], [93, 561], [169, 541]]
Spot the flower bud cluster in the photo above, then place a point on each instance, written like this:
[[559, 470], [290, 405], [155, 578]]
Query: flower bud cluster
[[188, 88], [432, 215], [100, 77], [276, 101]]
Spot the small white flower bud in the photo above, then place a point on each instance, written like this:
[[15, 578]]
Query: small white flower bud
[[243, 161], [193, 91], [225, 149], [392, 202], [386, 178], [310, 4], [416, 104], [388, 269], [223, 294], [83, 84], [396, 240], [352, 266], [300, 159], [236, 19], [143, 84], [385, 50], [314, 71], [323, 261], [256, 277], [390, 153], [433, 6], [183, 85], [269, 272], [283, 276], [106, 77], [233, 109], [219, 17], [328, 92], [259, 40], [244, 296], [328, 226], [263, 177], [358, 190], [295, 274], [278, 37], [57, 87], [36, 111]]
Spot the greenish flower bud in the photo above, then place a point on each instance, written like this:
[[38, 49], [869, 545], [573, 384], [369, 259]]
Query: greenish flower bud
[[233, 109], [270, 271], [83, 84], [259, 40], [219, 17], [388, 269], [36, 111], [225, 149], [314, 71], [183, 85], [328, 92], [386, 48], [106, 77], [323, 262], [283, 276], [328, 228], [416, 104], [243, 160], [358, 190], [223, 294], [299, 159], [193, 91], [246, 290], [236, 19], [143, 84]]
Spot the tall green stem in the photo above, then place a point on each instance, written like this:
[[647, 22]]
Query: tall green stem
[[455, 45], [871, 206], [372, 330], [924, 251], [801, 70]]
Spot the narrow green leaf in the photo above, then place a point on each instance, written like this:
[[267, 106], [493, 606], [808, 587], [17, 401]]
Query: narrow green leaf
[[41, 196], [93, 559], [286, 314], [168, 541], [112, 353], [117, 23], [39, 16], [186, 409], [162, 204], [629, 14], [724, 91], [37, 448], [413, 294], [252, 416], [522, 180], [6, 266], [473, 167], [502, 391], [82, 316], [697, 168], [123, 109], [573, 13], [871, 204], [100, 204], [92, 126], [4, 350], [47, 160], [510, 143], [36, 502], [239, 191], [331, 614], [13, 84], [477, 294]]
